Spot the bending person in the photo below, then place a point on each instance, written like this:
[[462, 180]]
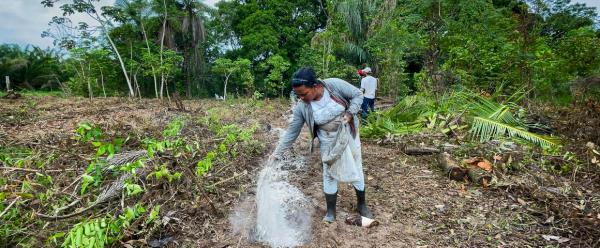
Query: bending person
[[325, 105]]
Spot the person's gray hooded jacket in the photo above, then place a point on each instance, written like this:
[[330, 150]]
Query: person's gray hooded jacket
[[303, 112]]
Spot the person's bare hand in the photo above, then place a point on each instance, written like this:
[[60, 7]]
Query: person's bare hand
[[347, 117]]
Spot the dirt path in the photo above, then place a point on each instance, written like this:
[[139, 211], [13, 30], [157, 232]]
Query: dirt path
[[415, 205]]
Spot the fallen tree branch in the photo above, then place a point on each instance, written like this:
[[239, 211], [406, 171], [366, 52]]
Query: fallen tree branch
[[228, 179], [33, 170], [9, 206], [421, 150], [109, 193], [559, 204], [202, 193]]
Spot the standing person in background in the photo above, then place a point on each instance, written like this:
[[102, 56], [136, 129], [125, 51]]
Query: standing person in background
[[368, 86]]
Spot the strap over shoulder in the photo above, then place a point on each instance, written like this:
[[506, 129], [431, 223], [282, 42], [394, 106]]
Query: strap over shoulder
[[345, 104]]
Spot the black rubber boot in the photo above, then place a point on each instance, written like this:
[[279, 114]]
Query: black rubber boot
[[361, 206], [331, 200]]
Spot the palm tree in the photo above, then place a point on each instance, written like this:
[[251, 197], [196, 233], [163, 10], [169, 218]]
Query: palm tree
[[30, 67], [183, 28], [355, 14], [194, 35]]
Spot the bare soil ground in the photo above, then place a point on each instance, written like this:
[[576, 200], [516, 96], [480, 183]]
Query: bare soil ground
[[416, 205]]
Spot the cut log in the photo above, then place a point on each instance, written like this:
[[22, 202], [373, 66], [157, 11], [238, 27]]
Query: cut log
[[479, 176], [421, 150], [450, 167]]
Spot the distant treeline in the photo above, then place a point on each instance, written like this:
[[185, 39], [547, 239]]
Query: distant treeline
[[148, 47]]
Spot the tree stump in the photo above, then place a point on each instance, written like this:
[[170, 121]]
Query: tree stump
[[12, 95], [450, 167], [479, 176]]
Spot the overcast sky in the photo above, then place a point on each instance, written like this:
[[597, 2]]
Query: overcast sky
[[23, 21]]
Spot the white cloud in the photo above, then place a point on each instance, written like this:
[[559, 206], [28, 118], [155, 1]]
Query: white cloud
[[23, 21], [590, 3]]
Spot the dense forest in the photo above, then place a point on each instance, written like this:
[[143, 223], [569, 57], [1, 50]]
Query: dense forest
[[148, 48], [154, 124]]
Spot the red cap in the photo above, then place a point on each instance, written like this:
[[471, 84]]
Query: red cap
[[361, 73]]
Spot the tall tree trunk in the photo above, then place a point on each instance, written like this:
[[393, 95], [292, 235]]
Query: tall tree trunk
[[526, 28], [102, 87], [137, 86], [191, 45], [7, 78], [112, 44], [433, 50], [167, 90], [188, 76], [102, 81], [89, 89], [89, 84], [85, 79], [150, 54], [225, 87], [162, 45], [131, 62]]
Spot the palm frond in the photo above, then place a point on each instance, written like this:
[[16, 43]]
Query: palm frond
[[356, 50], [494, 120], [350, 11], [487, 129]]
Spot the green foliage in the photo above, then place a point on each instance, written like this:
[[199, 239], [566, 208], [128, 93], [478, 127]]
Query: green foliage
[[87, 180], [100, 232], [132, 189], [15, 155], [92, 72], [171, 140], [31, 67], [270, 28], [408, 116], [132, 167], [249, 46], [488, 128], [391, 54], [90, 234], [163, 172], [173, 128], [205, 164], [171, 60], [277, 66], [153, 214], [490, 119], [232, 139], [87, 132], [580, 50], [238, 70], [129, 215], [12, 223], [494, 120]]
